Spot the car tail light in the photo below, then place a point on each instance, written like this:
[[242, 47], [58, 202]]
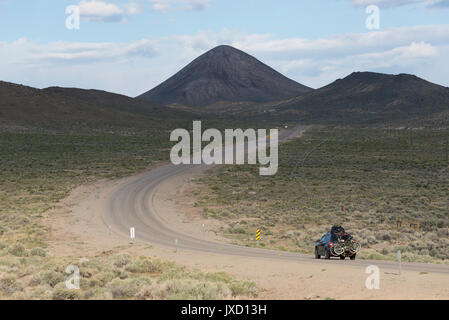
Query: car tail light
[[331, 244]]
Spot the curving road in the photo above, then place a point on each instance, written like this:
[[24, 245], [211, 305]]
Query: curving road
[[132, 205]]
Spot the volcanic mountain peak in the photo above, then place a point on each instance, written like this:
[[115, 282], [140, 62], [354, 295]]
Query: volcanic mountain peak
[[225, 74]]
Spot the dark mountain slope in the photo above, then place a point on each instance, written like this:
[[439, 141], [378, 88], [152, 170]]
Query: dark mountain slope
[[367, 97], [59, 107], [104, 99], [224, 74]]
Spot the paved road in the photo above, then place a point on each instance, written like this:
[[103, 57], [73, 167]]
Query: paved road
[[132, 205]]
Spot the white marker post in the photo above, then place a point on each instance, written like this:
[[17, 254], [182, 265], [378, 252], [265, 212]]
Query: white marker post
[[176, 244], [399, 262], [132, 232]]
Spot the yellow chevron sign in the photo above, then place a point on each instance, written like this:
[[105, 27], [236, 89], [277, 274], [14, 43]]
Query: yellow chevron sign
[[258, 235]]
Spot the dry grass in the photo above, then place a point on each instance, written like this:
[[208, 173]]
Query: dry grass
[[39, 168]]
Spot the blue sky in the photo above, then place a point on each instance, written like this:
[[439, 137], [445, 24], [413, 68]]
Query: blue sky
[[129, 46]]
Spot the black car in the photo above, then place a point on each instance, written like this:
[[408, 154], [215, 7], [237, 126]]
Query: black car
[[336, 243]]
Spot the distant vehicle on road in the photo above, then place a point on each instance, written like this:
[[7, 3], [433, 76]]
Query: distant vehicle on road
[[337, 243]]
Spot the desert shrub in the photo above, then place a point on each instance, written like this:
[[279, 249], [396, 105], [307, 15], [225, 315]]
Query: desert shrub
[[35, 280], [91, 283], [89, 294], [9, 286], [216, 276], [246, 288], [38, 252], [385, 236], [104, 278], [146, 293], [123, 288], [434, 253], [144, 266], [181, 289], [86, 283], [441, 233], [52, 278], [121, 274], [236, 230], [18, 250], [61, 292], [122, 260]]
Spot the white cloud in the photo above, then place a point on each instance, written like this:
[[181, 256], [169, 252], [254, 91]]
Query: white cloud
[[162, 5], [403, 56], [337, 45], [385, 3], [398, 3], [100, 11], [133, 8], [191, 5], [29, 53], [134, 67], [437, 3]]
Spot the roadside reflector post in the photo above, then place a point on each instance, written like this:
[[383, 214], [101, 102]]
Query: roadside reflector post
[[399, 262], [176, 245], [258, 236], [132, 232]]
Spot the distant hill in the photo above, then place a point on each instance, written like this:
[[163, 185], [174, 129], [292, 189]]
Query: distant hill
[[224, 74], [59, 107], [104, 99], [367, 97], [360, 98]]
